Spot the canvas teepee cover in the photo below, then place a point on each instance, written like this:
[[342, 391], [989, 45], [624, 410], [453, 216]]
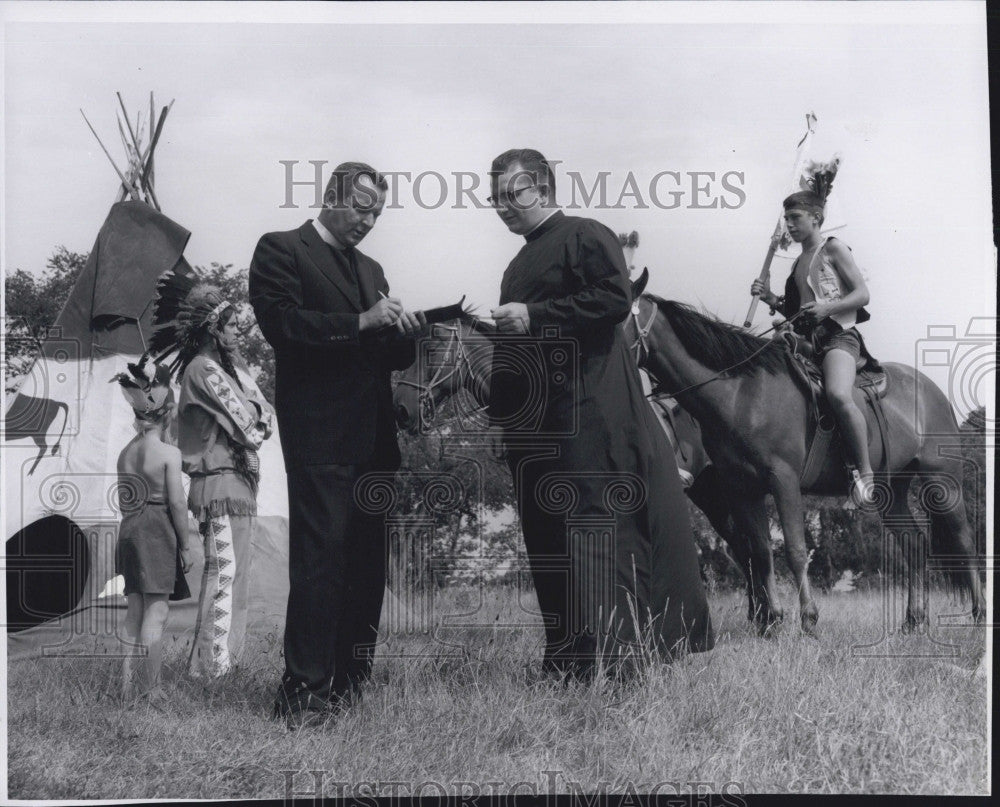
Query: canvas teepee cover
[[62, 434]]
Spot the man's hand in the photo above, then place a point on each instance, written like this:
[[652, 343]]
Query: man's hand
[[512, 318], [381, 315]]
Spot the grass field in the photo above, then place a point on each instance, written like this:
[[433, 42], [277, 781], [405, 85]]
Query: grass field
[[787, 714]]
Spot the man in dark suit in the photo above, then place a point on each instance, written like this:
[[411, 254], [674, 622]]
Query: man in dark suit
[[337, 334]]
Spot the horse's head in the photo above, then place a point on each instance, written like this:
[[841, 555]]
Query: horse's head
[[449, 358]]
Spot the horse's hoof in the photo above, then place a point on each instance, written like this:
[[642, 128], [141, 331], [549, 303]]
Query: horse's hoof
[[809, 620]]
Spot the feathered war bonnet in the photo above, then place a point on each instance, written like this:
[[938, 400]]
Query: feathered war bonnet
[[186, 309]]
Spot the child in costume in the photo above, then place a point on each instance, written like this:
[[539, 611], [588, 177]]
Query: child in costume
[[222, 420], [152, 549], [826, 287]]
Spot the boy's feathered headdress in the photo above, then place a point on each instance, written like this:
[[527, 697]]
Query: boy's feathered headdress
[[816, 183], [819, 176], [146, 387]]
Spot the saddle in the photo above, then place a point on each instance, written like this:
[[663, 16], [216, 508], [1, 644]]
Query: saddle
[[870, 372], [871, 380]]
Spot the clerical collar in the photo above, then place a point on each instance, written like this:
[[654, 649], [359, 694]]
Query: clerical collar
[[540, 228], [327, 236]]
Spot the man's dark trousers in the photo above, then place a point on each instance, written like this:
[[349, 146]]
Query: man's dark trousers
[[337, 577]]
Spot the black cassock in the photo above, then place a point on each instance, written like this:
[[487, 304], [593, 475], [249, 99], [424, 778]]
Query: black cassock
[[604, 518]]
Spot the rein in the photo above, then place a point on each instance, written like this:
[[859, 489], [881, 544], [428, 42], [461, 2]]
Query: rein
[[641, 348]]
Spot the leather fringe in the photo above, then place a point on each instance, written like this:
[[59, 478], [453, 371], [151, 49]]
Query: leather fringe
[[217, 508]]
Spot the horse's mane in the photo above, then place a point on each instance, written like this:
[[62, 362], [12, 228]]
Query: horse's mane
[[719, 345]]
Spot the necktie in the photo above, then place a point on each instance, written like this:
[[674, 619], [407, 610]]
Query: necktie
[[365, 288]]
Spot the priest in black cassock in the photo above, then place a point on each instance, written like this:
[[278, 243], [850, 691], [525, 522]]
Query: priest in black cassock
[[604, 517]]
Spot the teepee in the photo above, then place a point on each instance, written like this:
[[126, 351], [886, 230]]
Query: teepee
[[66, 424]]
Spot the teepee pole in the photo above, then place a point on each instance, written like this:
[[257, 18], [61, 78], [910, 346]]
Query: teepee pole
[[135, 142], [121, 176], [152, 117], [152, 145]]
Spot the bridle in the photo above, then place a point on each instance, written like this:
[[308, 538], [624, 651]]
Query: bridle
[[641, 344], [425, 392]]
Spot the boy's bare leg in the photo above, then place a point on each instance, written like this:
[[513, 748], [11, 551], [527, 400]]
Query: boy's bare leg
[[839, 371], [151, 636], [133, 624]]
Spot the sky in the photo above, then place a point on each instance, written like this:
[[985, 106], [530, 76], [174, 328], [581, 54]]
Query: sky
[[900, 92]]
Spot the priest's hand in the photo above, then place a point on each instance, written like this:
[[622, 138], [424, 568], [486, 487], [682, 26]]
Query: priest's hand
[[512, 318]]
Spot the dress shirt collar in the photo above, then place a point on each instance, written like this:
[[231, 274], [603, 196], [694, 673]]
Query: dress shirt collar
[[326, 235]]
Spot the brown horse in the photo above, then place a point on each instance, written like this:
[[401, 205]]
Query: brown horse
[[457, 357], [756, 424]]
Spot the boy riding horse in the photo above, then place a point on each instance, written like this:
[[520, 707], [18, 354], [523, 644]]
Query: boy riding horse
[[826, 287]]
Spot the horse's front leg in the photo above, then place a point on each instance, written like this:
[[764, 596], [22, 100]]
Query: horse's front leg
[[784, 483]]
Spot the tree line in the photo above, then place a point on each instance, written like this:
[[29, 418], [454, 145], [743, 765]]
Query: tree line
[[443, 544]]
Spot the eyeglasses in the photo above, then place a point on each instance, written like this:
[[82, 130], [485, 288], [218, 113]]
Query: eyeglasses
[[508, 199]]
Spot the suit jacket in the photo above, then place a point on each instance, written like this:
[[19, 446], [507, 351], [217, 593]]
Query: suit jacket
[[332, 388]]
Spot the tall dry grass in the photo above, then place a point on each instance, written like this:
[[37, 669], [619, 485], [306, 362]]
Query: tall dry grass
[[468, 712]]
